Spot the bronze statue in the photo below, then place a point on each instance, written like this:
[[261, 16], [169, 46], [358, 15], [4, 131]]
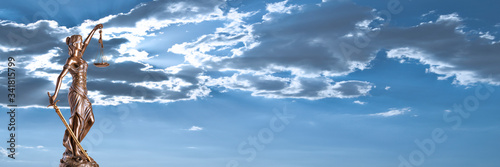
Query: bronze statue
[[82, 117]]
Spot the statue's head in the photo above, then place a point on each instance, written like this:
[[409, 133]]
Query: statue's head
[[74, 43]]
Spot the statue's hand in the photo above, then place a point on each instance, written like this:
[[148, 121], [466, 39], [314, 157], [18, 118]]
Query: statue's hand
[[52, 100], [99, 26]]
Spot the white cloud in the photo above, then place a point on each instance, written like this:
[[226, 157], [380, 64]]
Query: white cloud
[[27, 147], [487, 35], [9, 49], [39, 148], [429, 13], [43, 62], [393, 112], [195, 128], [387, 88], [279, 8], [223, 39], [438, 67], [403, 53], [136, 34], [359, 102], [174, 84], [4, 152], [449, 18]]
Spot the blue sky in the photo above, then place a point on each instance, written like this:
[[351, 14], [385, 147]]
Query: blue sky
[[289, 83]]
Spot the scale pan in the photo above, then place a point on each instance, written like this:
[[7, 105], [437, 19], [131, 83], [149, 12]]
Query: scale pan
[[101, 64]]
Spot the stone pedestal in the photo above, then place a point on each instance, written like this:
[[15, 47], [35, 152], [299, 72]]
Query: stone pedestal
[[78, 162]]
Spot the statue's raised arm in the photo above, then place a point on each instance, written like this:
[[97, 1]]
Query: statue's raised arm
[[87, 40]]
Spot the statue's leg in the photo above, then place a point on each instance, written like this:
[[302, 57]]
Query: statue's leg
[[87, 128], [67, 143], [89, 121], [76, 130], [68, 140]]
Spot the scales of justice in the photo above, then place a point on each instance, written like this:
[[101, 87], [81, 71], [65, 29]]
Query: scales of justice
[[82, 116]]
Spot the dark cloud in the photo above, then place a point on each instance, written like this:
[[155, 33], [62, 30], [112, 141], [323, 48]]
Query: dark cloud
[[352, 88], [29, 90], [307, 40], [449, 50], [306, 88], [306, 43], [127, 80], [33, 39]]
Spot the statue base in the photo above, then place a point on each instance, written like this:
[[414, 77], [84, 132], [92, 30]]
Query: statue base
[[78, 162]]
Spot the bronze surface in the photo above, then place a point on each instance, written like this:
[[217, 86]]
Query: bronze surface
[[82, 116]]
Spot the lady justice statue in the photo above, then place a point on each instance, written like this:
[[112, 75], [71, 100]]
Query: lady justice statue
[[82, 117]]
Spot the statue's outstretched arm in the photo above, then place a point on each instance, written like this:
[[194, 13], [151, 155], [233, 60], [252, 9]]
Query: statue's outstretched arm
[[87, 40]]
